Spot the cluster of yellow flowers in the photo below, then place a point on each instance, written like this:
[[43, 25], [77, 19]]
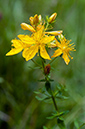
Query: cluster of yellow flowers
[[40, 39]]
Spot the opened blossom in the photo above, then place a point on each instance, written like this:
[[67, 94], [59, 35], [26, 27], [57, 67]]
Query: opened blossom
[[36, 42], [64, 49], [31, 45]]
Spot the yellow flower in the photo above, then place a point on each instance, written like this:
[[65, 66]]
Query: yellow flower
[[64, 49], [31, 44], [38, 41]]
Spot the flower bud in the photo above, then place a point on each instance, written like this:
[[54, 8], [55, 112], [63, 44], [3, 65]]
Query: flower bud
[[25, 26], [35, 19], [31, 20], [61, 37], [40, 18], [47, 69], [55, 33], [52, 17]]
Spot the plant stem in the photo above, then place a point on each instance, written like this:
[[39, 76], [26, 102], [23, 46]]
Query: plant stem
[[54, 102], [52, 60], [60, 122], [36, 63]]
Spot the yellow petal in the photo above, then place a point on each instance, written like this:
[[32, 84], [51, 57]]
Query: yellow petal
[[44, 53], [47, 39], [66, 58], [52, 45], [14, 51], [26, 39], [57, 53], [38, 35], [29, 53], [55, 33], [25, 26], [17, 43]]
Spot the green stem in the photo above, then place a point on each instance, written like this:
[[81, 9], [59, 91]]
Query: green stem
[[43, 64], [60, 122], [52, 60], [54, 102], [47, 26], [36, 63]]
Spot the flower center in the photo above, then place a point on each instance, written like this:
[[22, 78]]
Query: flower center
[[64, 47]]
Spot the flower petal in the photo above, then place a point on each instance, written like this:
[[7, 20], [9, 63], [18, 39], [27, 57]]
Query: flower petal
[[17, 43], [26, 39], [14, 51], [47, 39], [66, 58], [44, 53], [39, 34], [57, 53], [29, 53]]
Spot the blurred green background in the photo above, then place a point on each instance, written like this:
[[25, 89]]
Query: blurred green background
[[19, 109]]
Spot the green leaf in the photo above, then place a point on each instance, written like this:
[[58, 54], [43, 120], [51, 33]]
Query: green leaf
[[41, 99], [55, 93], [55, 115], [42, 80], [58, 115], [61, 97], [50, 117], [61, 113], [51, 80]]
